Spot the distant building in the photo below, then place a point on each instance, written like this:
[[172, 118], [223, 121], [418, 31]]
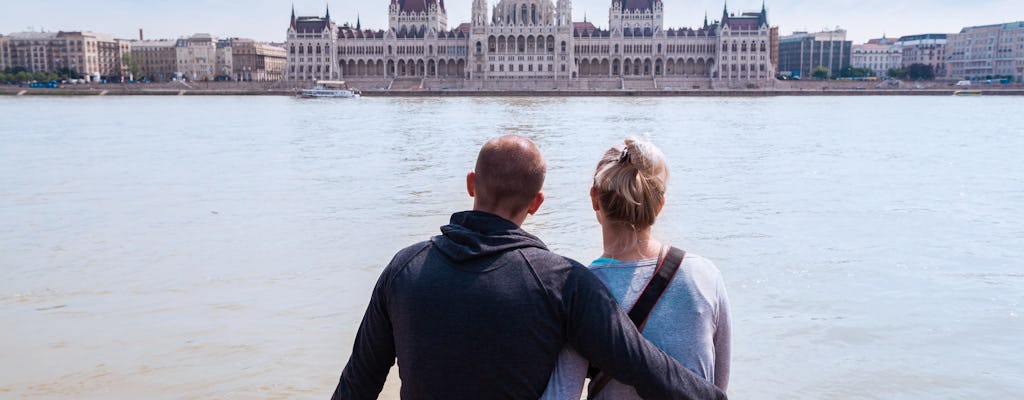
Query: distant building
[[96, 56], [156, 60], [5, 52], [254, 61], [802, 52], [927, 49], [533, 41], [225, 65], [987, 52], [878, 55], [196, 57]]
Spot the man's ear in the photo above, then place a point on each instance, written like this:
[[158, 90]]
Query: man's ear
[[593, 199], [471, 184], [535, 204]]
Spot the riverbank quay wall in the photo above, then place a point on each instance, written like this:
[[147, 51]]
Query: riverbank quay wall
[[254, 89]]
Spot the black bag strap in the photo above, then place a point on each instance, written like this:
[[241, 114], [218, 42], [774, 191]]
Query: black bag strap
[[641, 310]]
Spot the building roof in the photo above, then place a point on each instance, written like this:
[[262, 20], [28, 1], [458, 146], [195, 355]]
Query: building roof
[[742, 23], [152, 43], [417, 5], [689, 32], [350, 33], [310, 24], [583, 28], [1009, 25], [32, 35], [638, 4]]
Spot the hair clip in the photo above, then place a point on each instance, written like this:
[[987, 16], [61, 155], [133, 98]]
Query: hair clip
[[625, 156]]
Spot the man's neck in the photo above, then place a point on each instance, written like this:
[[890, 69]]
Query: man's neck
[[517, 219]]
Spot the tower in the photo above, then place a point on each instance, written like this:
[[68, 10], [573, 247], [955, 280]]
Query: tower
[[479, 13]]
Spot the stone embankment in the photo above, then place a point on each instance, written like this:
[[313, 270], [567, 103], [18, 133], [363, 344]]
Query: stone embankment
[[457, 88]]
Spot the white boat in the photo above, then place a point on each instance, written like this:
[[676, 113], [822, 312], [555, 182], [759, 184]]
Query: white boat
[[330, 89]]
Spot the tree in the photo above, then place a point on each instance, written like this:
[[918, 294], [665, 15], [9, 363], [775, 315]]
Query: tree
[[820, 73], [851, 72], [133, 66], [898, 73], [920, 72]]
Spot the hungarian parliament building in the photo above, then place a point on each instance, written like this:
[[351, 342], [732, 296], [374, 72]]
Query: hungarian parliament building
[[533, 41]]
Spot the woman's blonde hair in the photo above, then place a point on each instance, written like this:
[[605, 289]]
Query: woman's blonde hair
[[630, 182]]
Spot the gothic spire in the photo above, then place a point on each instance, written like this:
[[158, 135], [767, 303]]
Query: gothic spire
[[763, 18], [328, 15], [725, 11], [359, 24], [705, 19], [293, 15]]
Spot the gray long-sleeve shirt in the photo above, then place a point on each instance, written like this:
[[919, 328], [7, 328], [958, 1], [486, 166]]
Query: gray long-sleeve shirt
[[482, 312], [690, 322]]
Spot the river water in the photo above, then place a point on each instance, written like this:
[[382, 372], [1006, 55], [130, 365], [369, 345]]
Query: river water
[[221, 247]]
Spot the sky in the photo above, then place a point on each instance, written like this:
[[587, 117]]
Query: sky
[[267, 20]]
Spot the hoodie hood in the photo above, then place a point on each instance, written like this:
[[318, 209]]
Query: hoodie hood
[[475, 234]]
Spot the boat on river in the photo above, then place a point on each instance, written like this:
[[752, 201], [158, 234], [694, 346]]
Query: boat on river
[[967, 93], [330, 89]]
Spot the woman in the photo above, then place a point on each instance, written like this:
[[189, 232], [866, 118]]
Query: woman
[[691, 320]]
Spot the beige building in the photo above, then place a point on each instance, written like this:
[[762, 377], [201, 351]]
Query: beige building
[[254, 61], [534, 41], [196, 57], [95, 56], [878, 55], [988, 52], [155, 60]]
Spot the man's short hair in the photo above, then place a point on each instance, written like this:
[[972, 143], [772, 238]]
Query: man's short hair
[[510, 171]]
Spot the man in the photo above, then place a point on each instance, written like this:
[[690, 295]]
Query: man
[[482, 311]]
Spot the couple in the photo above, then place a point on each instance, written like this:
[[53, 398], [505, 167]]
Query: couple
[[486, 311]]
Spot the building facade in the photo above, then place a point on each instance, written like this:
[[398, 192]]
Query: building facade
[[926, 49], [155, 60], [531, 40], [196, 57], [802, 52], [987, 52], [878, 55], [94, 56], [254, 61], [5, 53]]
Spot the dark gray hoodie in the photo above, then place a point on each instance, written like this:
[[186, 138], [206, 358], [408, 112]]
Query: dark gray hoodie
[[482, 312]]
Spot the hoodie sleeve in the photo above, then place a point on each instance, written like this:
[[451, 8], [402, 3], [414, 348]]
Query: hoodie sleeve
[[604, 334], [373, 353]]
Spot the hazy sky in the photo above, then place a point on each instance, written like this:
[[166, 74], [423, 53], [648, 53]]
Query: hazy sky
[[268, 19]]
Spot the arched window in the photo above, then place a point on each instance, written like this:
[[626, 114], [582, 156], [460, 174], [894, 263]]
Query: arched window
[[743, 47], [762, 46], [479, 47], [563, 46]]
